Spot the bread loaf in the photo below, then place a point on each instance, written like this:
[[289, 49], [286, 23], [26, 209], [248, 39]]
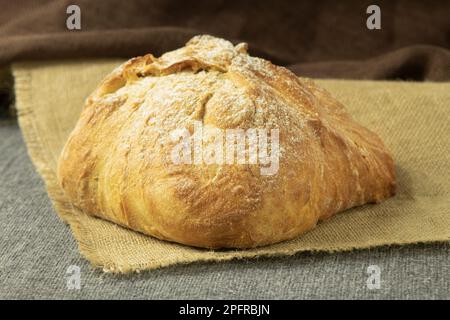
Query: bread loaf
[[211, 147]]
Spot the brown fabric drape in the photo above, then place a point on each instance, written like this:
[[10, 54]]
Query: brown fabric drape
[[321, 38]]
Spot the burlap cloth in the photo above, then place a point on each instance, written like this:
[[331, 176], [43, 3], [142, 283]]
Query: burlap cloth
[[412, 118]]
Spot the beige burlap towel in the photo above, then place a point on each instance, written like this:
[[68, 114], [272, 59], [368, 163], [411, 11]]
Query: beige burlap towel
[[412, 118]]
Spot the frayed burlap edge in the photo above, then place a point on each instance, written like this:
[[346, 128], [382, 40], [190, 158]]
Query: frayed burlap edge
[[85, 242]]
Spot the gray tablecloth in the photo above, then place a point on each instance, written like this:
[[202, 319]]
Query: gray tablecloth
[[36, 250]]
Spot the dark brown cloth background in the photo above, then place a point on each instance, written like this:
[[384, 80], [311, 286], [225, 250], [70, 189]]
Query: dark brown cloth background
[[320, 38]]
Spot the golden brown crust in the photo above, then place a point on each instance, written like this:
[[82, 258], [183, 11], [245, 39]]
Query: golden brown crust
[[116, 163]]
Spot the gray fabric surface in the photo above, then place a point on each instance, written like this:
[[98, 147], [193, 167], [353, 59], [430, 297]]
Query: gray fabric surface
[[36, 249]]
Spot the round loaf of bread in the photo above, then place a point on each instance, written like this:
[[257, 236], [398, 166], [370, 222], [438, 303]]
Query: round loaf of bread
[[211, 147]]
